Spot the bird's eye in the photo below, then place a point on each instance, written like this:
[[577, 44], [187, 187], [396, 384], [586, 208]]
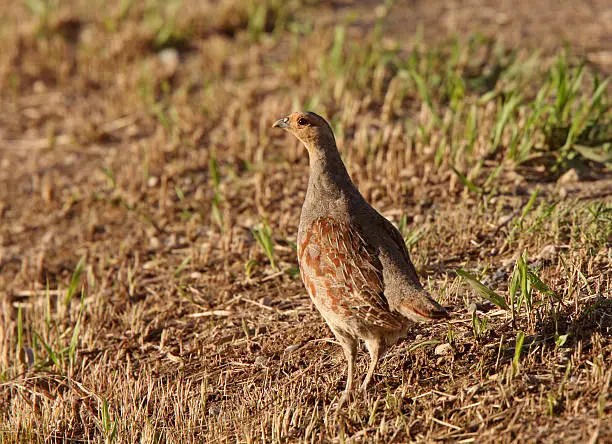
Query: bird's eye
[[302, 121]]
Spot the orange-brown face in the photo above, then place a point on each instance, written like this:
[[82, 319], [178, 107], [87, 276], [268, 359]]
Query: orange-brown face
[[309, 127]]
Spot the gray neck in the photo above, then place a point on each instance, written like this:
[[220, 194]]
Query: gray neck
[[330, 187], [327, 162]]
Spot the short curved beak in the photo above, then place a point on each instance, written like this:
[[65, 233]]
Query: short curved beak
[[282, 123]]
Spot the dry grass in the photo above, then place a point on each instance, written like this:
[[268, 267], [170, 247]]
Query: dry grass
[[135, 141]]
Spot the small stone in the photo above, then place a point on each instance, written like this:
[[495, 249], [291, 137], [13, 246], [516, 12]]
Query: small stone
[[443, 349], [154, 243], [151, 265], [570, 176], [39, 87], [505, 219], [292, 348], [169, 59], [260, 360], [171, 241], [152, 181]]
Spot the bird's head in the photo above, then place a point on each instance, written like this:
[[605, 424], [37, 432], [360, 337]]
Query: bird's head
[[312, 129]]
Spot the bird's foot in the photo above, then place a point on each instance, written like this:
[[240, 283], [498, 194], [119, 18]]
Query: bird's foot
[[347, 396]]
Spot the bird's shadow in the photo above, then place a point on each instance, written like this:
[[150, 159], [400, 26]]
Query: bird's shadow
[[595, 316], [567, 327]]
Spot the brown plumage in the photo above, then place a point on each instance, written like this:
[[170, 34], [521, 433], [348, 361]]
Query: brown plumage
[[353, 262]]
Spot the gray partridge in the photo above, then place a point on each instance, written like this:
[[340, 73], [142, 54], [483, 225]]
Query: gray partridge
[[354, 263]]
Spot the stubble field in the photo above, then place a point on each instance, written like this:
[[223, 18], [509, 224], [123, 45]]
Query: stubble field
[[148, 218]]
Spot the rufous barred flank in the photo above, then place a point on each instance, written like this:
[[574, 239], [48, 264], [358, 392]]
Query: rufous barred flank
[[354, 263]]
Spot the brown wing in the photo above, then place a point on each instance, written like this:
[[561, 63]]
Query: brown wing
[[401, 244], [418, 303], [342, 275]]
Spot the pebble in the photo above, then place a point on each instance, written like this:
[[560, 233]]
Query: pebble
[[152, 181], [570, 176], [443, 349], [169, 59]]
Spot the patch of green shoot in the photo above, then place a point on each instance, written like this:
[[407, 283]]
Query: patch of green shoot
[[74, 281], [72, 348], [402, 226], [109, 427], [482, 290], [213, 169], [518, 349], [413, 236], [184, 263], [560, 340], [528, 207], [55, 358], [467, 182], [293, 272], [479, 326], [249, 267], [263, 236], [217, 215], [507, 111], [555, 397], [517, 225], [185, 212], [451, 335]]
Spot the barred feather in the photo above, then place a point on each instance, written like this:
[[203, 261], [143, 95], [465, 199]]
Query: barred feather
[[343, 276]]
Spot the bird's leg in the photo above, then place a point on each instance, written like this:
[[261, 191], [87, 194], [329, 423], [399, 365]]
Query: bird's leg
[[349, 346], [350, 352], [377, 348]]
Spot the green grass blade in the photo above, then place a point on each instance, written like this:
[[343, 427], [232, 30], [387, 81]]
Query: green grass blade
[[538, 284], [482, 290], [263, 236], [74, 281], [518, 349], [528, 207], [597, 95], [182, 266], [75, 334], [52, 355], [467, 182], [525, 282], [514, 285], [506, 113]]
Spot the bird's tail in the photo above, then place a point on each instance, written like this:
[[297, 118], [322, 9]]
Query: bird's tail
[[419, 306]]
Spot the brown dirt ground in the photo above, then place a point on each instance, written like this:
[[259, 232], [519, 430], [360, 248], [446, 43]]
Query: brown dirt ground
[[174, 328]]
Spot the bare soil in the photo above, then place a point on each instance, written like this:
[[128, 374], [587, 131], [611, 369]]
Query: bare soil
[[154, 167]]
